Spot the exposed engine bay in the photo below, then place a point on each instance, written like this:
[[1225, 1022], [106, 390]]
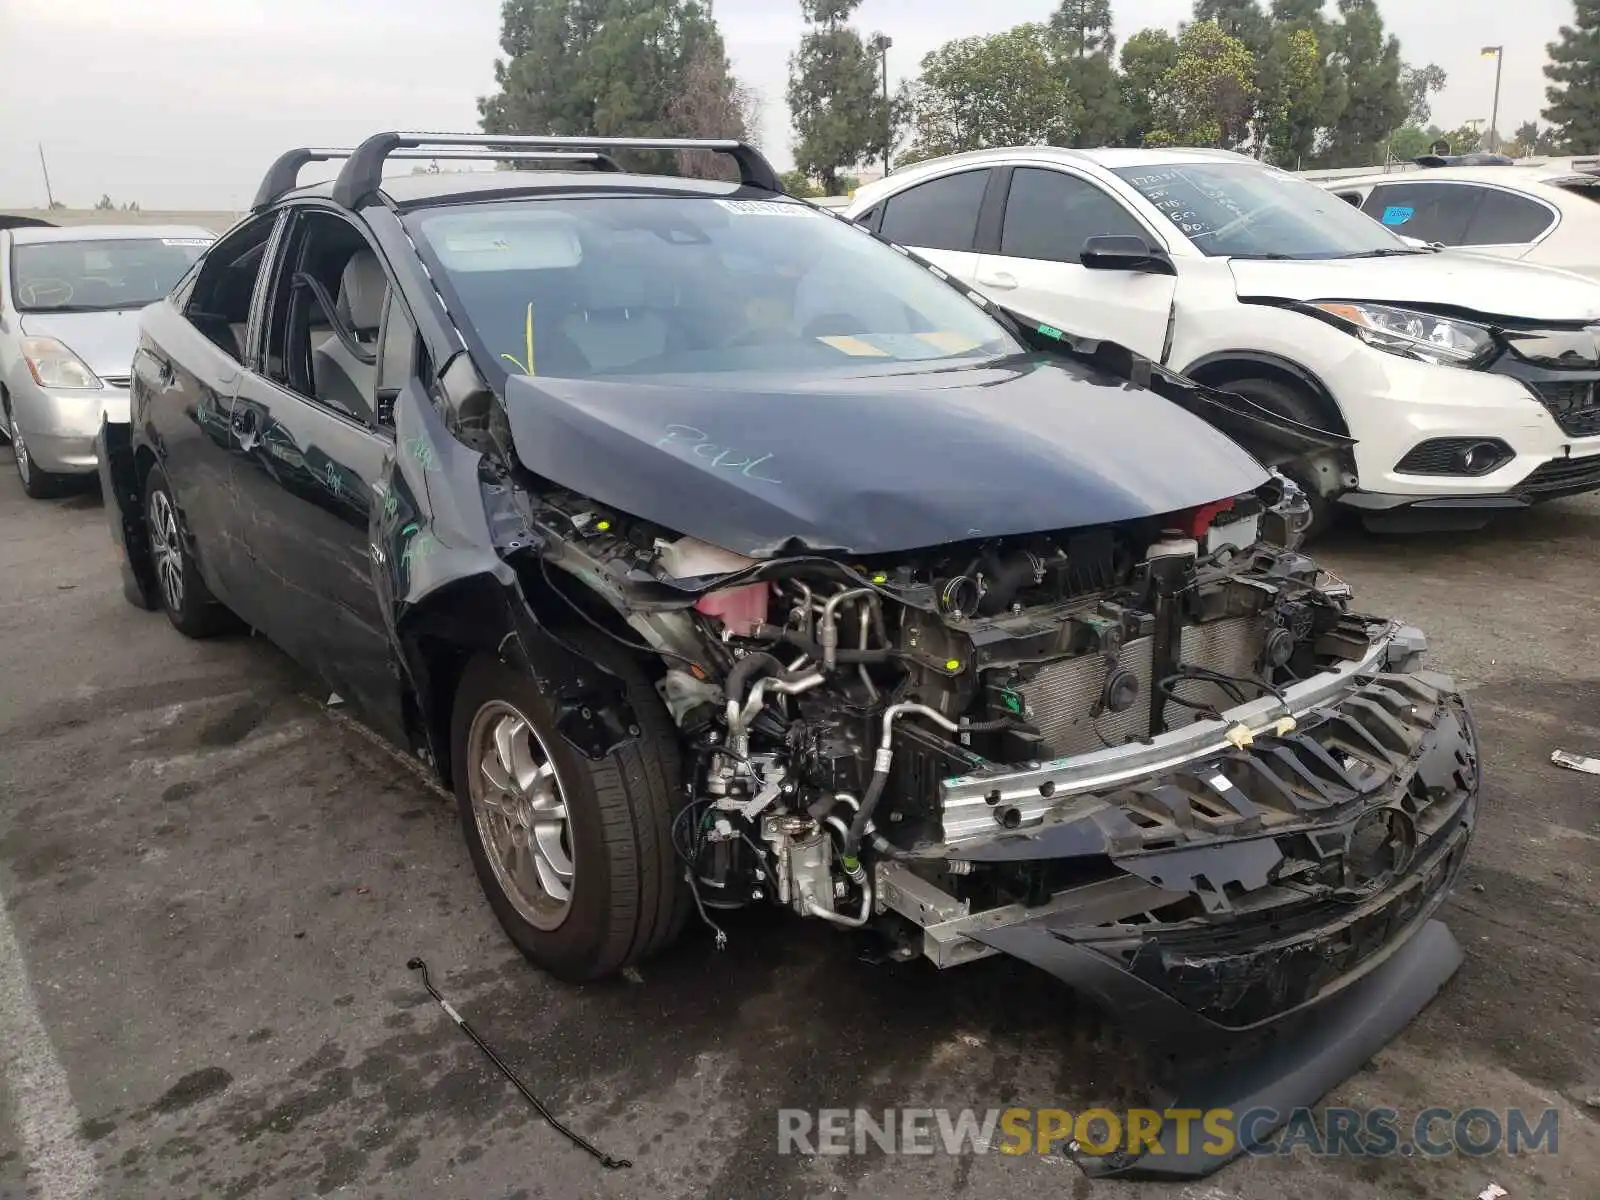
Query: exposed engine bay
[[941, 744]]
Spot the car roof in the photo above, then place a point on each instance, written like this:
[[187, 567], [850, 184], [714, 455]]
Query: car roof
[[1108, 158], [27, 235], [462, 187]]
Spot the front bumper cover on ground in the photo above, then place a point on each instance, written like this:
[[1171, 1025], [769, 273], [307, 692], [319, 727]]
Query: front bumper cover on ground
[[1313, 948]]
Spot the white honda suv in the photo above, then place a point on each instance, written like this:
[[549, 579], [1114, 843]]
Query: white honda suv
[[1467, 383]]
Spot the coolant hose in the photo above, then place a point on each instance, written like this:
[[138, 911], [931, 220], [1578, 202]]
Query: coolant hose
[[746, 670]]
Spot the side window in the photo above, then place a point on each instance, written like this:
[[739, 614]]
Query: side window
[[1506, 219], [325, 317], [218, 302], [1050, 215], [941, 214], [1433, 212]]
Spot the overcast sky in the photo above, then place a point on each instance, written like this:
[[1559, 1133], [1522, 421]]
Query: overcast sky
[[182, 103]]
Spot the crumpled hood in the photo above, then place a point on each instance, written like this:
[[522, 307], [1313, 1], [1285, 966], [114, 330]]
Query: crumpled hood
[[875, 463], [104, 340], [1493, 287]]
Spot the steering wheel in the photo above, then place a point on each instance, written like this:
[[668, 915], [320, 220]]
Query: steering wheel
[[32, 291]]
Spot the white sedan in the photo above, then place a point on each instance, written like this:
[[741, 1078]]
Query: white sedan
[[1547, 214]]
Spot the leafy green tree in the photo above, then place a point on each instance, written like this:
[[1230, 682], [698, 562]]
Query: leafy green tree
[[1004, 89], [1294, 143], [1574, 74], [798, 183], [1524, 141], [1241, 19], [1146, 58], [1375, 106], [1083, 27], [611, 68], [1097, 95], [1417, 84], [1464, 140], [1290, 103], [1208, 96], [838, 113]]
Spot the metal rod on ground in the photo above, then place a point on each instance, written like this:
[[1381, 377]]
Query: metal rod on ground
[[416, 964]]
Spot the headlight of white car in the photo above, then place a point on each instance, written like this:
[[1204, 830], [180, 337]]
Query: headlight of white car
[[54, 366], [1442, 340]]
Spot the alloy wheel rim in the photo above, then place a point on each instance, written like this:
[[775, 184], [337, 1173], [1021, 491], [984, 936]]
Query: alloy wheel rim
[[19, 451], [521, 814], [166, 549]]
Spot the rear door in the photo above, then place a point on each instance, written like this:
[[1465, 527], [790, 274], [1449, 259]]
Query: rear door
[[309, 438], [1036, 270], [938, 219]]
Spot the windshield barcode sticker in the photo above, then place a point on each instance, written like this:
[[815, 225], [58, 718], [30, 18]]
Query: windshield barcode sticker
[[769, 208]]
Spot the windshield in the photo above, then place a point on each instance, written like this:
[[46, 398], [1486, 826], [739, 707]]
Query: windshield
[[1245, 210], [98, 274], [645, 285]]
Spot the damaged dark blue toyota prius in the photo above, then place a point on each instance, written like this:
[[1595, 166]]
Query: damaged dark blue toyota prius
[[717, 552]]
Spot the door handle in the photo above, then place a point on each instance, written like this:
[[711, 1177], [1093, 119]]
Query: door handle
[[1003, 280]]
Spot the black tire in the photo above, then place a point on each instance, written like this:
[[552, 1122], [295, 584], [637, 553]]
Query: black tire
[[187, 601], [37, 483], [1298, 405], [628, 899]]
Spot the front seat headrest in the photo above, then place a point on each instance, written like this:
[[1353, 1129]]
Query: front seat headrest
[[362, 289]]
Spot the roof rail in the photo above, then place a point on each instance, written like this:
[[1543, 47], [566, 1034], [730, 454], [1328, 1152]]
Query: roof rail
[[284, 174], [362, 175]]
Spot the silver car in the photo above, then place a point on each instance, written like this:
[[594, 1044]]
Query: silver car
[[69, 321]]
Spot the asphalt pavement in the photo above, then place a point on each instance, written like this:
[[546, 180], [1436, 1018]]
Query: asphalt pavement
[[210, 886]]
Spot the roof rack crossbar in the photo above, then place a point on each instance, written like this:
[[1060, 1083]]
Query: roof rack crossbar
[[362, 174], [284, 174]]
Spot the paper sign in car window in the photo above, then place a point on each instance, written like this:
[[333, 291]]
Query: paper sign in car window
[[768, 208], [854, 346], [506, 242], [949, 341], [1398, 214]]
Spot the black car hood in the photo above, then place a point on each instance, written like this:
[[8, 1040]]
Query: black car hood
[[874, 463]]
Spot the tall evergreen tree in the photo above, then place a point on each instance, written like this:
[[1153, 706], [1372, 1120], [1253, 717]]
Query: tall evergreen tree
[[1574, 74], [1374, 104], [839, 116], [1083, 27], [613, 68]]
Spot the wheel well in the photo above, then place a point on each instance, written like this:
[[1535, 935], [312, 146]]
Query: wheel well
[[443, 633], [1220, 372], [143, 460]]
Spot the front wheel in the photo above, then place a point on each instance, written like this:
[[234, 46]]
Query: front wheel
[[37, 483], [574, 854], [1295, 404]]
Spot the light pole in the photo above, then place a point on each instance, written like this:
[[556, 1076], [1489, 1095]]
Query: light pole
[[880, 46], [1499, 54]]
